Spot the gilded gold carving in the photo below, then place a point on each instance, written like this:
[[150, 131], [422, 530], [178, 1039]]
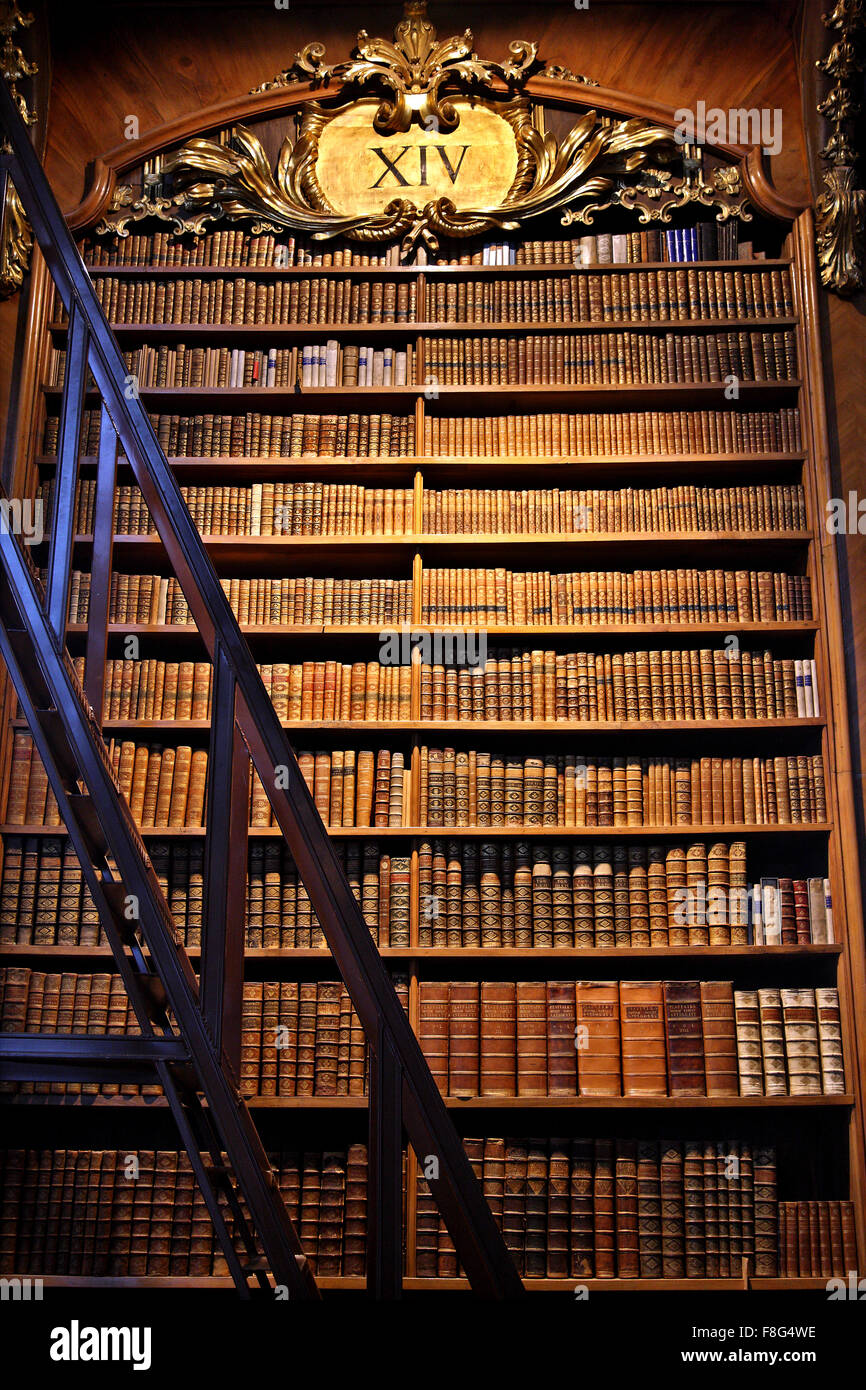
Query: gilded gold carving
[[17, 241], [840, 210], [413, 75], [426, 105], [841, 215], [560, 74]]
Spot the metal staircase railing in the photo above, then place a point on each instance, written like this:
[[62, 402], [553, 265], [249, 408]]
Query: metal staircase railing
[[189, 1027]]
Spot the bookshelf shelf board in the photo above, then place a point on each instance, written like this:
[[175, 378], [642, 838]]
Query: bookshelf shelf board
[[548, 1103], [460, 832], [501, 630], [274, 550], [563, 727], [622, 395], [267, 465], [244, 332], [399, 272], [414, 1284], [276, 954]]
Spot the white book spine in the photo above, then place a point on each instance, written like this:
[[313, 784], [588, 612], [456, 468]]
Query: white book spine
[[800, 688], [256, 509], [332, 356], [828, 908], [757, 916]]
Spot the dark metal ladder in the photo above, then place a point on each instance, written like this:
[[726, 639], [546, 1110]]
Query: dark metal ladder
[[186, 1024]]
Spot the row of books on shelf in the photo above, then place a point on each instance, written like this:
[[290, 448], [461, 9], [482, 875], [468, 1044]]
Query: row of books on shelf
[[165, 786], [471, 787], [663, 1038], [656, 510], [297, 1039], [233, 246], [258, 301], [39, 1001], [119, 1212], [611, 896], [314, 508], [633, 1209], [643, 685], [288, 436], [612, 433], [471, 599], [548, 435], [658, 684], [590, 359], [647, 296], [587, 1038], [154, 598], [487, 895], [44, 901], [584, 359], [582, 1208], [482, 597], [154, 689]]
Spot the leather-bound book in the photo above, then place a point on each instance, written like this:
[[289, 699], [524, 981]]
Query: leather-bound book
[[711, 1210], [604, 1209], [434, 1029], [749, 1049], [331, 1214], [251, 1022], [672, 1210], [494, 1176], [830, 1041], [535, 1257], [327, 1037], [686, 1075], [426, 1231], [801, 1041], [463, 1038], [498, 1038], [649, 1209], [642, 1025], [581, 1194], [514, 1200], [307, 996], [766, 1207], [773, 1042], [693, 1210], [558, 1206], [627, 1245], [561, 1053], [308, 1218], [531, 1038], [720, 1037], [599, 1065]]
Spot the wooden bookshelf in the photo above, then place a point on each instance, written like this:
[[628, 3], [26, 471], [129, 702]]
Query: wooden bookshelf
[[825, 847]]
